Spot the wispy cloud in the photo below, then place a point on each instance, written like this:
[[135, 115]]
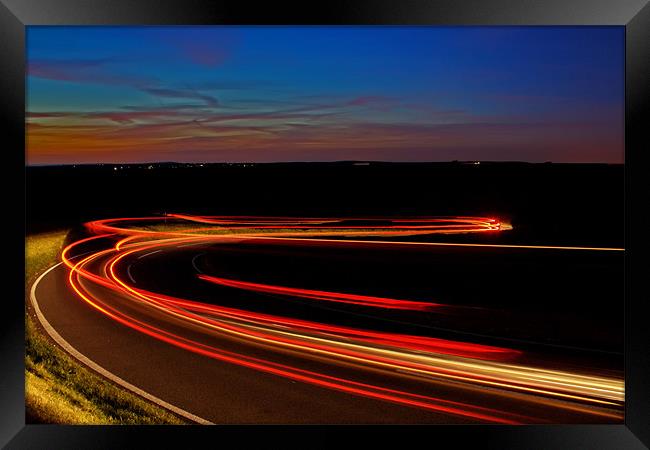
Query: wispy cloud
[[258, 137], [96, 71], [120, 117], [233, 85], [103, 72], [182, 94], [380, 102]]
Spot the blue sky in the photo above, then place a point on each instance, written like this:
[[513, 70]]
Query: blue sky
[[261, 94]]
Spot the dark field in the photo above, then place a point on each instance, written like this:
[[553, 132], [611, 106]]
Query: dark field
[[559, 204]]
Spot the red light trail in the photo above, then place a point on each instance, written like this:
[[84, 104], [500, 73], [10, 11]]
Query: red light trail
[[352, 299], [490, 370]]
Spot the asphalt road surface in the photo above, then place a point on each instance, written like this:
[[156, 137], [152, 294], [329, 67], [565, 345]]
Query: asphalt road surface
[[330, 322]]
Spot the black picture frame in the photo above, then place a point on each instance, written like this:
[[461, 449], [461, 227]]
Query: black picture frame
[[634, 15]]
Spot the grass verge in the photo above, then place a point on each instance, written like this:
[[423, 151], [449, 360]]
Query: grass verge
[[58, 389]]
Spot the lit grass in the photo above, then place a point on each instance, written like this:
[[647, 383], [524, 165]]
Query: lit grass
[[41, 251], [58, 389]]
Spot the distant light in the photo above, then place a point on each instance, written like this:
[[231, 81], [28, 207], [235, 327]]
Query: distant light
[[476, 163]]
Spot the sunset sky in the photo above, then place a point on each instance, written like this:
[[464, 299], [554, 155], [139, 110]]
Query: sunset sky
[[264, 94]]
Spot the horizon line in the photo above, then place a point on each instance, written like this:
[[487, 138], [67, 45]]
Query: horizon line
[[349, 161]]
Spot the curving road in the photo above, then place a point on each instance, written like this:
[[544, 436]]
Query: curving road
[[257, 320]]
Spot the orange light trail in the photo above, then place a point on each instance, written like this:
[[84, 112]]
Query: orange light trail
[[427, 359]]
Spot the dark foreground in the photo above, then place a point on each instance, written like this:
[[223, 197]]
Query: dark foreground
[[553, 309], [558, 204]]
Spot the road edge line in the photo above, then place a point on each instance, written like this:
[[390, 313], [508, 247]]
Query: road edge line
[[96, 367]]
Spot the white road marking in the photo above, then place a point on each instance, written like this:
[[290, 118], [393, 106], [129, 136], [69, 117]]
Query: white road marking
[[433, 244], [150, 253], [96, 367], [189, 245], [194, 263], [128, 272]]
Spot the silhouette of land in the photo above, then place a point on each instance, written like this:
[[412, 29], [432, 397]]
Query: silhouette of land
[[560, 204]]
